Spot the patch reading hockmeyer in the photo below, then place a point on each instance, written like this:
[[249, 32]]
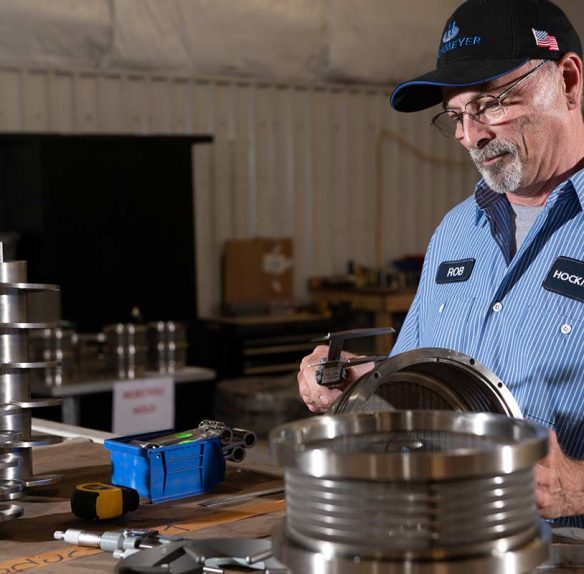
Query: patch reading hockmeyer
[[566, 277], [455, 271]]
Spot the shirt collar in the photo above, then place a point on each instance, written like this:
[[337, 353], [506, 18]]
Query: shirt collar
[[485, 197]]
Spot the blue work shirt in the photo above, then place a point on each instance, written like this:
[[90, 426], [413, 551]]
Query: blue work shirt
[[519, 314]]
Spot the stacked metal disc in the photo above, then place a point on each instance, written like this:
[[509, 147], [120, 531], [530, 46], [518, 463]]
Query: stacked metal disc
[[54, 345], [167, 346], [126, 349], [413, 492], [16, 441]]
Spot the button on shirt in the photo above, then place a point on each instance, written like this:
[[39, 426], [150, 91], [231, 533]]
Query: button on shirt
[[519, 314]]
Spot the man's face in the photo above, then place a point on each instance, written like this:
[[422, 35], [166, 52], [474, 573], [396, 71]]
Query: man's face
[[512, 153]]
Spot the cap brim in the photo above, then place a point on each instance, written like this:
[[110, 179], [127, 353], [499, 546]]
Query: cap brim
[[425, 91]]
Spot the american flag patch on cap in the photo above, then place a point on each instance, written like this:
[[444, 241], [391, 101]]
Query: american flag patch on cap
[[545, 40]]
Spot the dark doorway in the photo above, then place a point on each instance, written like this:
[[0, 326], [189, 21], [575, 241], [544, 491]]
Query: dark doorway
[[108, 218]]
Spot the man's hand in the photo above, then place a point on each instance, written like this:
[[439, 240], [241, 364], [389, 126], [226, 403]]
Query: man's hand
[[559, 483], [319, 398]]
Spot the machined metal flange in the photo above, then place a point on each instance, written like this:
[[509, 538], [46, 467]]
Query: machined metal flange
[[26, 326], [7, 287], [36, 403], [42, 480], [36, 440], [428, 378], [10, 512], [11, 489], [397, 491], [299, 560], [28, 365]]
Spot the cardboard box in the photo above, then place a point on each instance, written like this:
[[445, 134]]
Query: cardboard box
[[257, 270]]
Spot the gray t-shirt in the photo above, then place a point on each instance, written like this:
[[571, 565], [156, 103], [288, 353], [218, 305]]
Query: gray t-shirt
[[525, 216]]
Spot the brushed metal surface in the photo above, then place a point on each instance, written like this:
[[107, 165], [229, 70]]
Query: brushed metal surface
[[428, 378], [410, 488]]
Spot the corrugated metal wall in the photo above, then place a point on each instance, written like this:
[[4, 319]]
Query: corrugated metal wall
[[332, 167]]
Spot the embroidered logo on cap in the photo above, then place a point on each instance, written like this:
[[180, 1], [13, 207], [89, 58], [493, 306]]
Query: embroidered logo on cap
[[451, 32], [566, 277], [455, 271], [451, 40], [545, 40]]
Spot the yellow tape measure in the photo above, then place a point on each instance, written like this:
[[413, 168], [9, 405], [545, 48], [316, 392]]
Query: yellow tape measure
[[100, 501]]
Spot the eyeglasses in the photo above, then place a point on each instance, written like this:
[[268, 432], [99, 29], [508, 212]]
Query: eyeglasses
[[487, 110]]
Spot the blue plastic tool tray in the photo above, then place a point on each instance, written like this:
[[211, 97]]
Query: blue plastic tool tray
[[168, 472]]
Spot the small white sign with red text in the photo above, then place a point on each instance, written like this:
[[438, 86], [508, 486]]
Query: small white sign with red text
[[143, 405]]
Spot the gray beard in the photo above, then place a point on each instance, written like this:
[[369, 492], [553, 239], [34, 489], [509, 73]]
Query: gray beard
[[506, 175]]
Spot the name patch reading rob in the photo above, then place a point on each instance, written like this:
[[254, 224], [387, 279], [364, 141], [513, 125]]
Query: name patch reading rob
[[566, 277], [455, 271]]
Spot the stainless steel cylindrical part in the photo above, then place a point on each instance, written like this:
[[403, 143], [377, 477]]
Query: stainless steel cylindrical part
[[386, 519], [56, 344], [16, 471], [13, 346], [13, 272], [19, 421], [126, 349], [167, 346], [21, 471], [410, 487], [13, 307], [246, 437], [14, 385], [234, 453], [300, 560]]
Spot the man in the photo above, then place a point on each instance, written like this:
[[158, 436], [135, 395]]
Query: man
[[503, 277]]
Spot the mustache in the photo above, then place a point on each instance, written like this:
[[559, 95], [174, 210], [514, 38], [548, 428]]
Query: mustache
[[492, 149]]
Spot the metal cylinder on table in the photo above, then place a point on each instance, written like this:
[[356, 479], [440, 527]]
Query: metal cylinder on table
[[55, 345], [167, 346], [16, 440], [410, 492], [126, 349]]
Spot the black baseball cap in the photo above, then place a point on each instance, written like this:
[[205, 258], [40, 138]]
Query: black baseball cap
[[485, 39]]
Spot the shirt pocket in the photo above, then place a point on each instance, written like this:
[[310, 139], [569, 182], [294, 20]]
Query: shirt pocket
[[447, 325], [551, 344]]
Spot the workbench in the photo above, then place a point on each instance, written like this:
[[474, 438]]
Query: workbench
[[385, 304], [27, 543]]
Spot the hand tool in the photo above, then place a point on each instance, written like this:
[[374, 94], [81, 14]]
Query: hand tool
[[209, 556], [100, 501], [234, 441], [332, 371], [247, 437], [225, 434], [234, 453], [121, 543], [240, 497]]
